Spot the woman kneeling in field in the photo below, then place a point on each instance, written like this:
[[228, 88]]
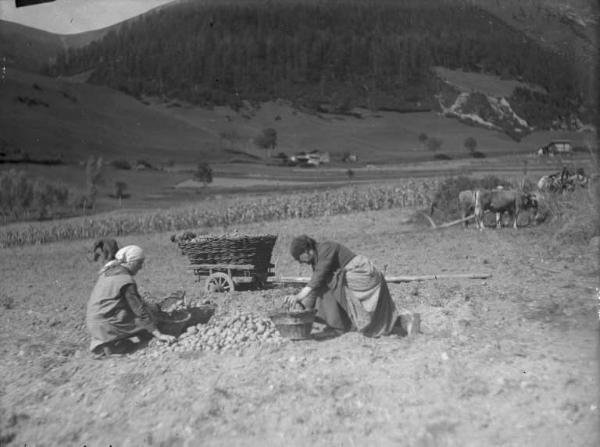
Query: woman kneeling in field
[[115, 310], [349, 292]]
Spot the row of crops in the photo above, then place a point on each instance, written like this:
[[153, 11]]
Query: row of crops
[[232, 211]]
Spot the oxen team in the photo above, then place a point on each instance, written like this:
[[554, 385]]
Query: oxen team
[[499, 201]]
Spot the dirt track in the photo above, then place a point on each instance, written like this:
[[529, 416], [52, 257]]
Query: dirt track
[[509, 361]]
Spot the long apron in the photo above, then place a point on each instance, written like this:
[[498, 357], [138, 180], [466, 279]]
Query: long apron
[[357, 297]]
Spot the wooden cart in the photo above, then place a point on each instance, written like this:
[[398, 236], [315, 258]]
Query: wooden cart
[[227, 277], [227, 261]]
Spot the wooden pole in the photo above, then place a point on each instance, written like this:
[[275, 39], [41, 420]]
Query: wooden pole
[[397, 279], [455, 222], [447, 224]]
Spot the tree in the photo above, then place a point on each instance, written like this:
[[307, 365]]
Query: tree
[[204, 173], [267, 139], [120, 188], [93, 178], [470, 144]]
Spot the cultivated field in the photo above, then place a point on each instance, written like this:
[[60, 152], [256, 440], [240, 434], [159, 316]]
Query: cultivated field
[[508, 361]]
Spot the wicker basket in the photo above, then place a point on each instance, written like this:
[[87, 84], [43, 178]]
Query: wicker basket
[[174, 323], [294, 325], [254, 250]]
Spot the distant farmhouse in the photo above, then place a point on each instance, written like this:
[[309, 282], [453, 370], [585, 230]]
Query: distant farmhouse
[[556, 147], [308, 159], [350, 158]]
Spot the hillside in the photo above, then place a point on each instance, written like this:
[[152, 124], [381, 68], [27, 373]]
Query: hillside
[[49, 117], [568, 27], [27, 48], [31, 49], [377, 56]]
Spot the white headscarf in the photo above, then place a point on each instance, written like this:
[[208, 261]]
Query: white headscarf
[[125, 257]]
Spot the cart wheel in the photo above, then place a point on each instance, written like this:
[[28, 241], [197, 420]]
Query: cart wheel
[[219, 282]]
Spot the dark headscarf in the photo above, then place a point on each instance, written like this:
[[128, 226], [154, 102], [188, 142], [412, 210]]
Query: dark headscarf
[[301, 244]]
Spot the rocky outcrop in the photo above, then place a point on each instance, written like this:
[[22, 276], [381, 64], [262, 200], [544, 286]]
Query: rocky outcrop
[[485, 111]]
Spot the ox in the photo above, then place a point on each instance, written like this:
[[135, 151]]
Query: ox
[[499, 201], [466, 205]]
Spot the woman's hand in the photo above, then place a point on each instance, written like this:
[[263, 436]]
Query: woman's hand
[[163, 337], [291, 300], [294, 302]]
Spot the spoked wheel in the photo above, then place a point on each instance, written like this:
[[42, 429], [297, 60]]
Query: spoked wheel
[[219, 282]]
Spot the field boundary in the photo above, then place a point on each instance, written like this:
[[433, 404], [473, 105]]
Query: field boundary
[[214, 213]]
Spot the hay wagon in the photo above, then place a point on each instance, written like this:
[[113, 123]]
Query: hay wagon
[[226, 261]]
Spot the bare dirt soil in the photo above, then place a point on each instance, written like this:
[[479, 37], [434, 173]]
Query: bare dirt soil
[[507, 361]]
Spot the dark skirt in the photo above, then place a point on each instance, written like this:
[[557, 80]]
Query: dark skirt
[[356, 298]]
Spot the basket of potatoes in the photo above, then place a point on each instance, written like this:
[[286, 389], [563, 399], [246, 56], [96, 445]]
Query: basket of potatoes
[[294, 325]]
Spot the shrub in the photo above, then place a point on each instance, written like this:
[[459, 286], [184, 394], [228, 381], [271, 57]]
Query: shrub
[[120, 164], [470, 144], [204, 173], [23, 197], [120, 188], [144, 164]]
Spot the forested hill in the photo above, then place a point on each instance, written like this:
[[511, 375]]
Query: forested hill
[[374, 53]]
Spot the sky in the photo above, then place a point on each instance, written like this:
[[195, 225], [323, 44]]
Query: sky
[[75, 16]]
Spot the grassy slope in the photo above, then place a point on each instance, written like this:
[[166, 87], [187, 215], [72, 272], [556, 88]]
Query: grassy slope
[[101, 120], [380, 137], [478, 82], [26, 47], [29, 48], [82, 119]]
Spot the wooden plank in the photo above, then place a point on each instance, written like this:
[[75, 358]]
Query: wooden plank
[[225, 266], [396, 279]]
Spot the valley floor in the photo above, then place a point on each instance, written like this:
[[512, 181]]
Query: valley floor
[[507, 361]]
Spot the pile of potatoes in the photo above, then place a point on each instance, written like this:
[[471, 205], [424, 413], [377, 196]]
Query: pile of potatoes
[[224, 334]]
